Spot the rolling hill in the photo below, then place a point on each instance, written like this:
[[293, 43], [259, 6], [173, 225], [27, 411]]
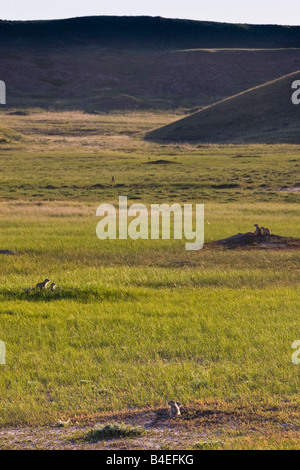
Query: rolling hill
[[142, 32], [264, 114], [108, 63]]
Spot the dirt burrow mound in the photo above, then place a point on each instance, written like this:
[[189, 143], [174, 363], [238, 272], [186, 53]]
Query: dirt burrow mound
[[245, 240]]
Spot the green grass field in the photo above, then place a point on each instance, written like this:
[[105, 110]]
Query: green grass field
[[126, 329]]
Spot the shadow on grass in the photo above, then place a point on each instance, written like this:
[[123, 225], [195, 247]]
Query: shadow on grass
[[69, 293]]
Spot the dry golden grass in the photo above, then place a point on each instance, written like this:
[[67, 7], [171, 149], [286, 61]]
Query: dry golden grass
[[53, 131]]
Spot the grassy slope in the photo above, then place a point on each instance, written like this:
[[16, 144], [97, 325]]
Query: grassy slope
[[263, 114], [223, 328]]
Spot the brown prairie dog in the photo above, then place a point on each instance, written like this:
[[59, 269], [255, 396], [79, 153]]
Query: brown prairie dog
[[42, 285]]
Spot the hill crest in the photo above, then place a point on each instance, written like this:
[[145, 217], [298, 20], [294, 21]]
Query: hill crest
[[145, 31]]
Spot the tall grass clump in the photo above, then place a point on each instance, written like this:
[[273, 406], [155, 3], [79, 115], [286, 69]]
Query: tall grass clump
[[114, 431]]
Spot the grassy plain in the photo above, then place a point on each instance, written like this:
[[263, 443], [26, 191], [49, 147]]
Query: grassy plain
[[127, 329]]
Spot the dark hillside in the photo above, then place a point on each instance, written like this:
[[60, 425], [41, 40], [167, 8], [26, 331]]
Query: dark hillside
[[263, 114], [108, 63]]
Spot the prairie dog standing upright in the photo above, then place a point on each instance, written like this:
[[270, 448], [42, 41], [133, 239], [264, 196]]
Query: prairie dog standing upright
[[257, 232]]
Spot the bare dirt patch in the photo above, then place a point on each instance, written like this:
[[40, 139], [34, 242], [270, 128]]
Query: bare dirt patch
[[161, 162], [295, 189], [203, 425]]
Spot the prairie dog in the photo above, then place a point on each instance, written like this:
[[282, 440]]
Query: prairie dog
[[42, 285], [174, 408], [257, 232], [53, 286], [266, 231]]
